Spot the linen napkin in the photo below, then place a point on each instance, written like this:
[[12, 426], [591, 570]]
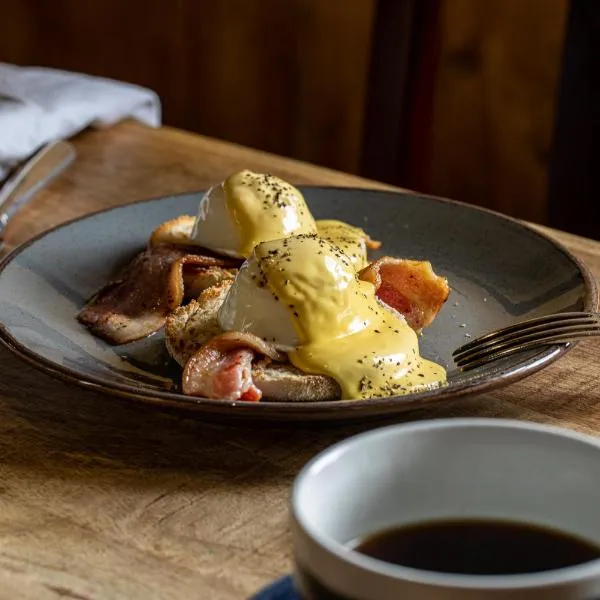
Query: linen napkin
[[39, 105]]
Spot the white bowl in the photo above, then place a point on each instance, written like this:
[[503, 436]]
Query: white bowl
[[450, 468]]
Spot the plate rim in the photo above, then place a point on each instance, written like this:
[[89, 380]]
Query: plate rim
[[321, 410]]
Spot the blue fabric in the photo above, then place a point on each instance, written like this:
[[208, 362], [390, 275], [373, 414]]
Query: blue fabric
[[282, 589]]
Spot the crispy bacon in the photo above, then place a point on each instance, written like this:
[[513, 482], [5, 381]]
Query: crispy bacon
[[212, 373], [222, 368], [409, 286], [138, 300], [372, 244], [187, 273], [232, 340]]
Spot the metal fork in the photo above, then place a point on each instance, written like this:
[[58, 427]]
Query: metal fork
[[559, 328]]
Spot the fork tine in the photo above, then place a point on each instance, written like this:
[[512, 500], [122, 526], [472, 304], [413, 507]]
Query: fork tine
[[527, 336], [489, 354], [540, 323], [531, 333]]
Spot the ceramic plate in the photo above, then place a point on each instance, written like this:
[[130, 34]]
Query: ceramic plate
[[500, 271]]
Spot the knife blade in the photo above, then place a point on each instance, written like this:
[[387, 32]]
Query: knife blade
[[37, 172]]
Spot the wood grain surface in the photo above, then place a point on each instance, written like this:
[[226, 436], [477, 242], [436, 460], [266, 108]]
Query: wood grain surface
[[103, 498]]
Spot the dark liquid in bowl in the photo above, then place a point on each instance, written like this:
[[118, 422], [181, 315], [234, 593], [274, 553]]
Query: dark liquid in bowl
[[478, 547]]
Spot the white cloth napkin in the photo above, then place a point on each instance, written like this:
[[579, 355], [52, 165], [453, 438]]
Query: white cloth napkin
[[39, 105]]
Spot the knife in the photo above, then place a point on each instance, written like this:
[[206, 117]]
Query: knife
[[37, 172]]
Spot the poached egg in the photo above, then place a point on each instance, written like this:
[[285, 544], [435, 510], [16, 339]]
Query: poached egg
[[249, 208]]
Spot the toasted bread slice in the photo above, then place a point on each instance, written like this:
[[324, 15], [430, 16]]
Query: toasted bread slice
[[189, 327], [197, 282], [282, 382], [177, 231]]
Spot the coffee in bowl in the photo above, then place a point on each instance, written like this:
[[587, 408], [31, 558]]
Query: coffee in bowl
[[478, 547], [452, 509]]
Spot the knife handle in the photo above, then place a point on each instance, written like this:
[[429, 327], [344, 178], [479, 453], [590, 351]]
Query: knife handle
[[38, 171]]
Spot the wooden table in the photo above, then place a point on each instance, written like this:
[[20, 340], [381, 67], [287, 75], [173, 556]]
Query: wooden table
[[105, 498]]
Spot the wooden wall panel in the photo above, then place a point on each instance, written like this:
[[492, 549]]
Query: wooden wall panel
[[287, 77], [495, 103]]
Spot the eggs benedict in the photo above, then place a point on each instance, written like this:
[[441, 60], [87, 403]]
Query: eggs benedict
[[260, 300], [303, 295]]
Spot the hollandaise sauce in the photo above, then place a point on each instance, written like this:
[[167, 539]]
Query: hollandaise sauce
[[264, 207], [349, 239], [343, 330]]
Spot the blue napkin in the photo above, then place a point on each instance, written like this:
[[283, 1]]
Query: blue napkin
[[282, 589]]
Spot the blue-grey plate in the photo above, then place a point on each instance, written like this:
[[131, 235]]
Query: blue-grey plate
[[500, 271]]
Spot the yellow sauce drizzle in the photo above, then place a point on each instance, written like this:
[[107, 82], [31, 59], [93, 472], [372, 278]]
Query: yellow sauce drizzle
[[349, 239]]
